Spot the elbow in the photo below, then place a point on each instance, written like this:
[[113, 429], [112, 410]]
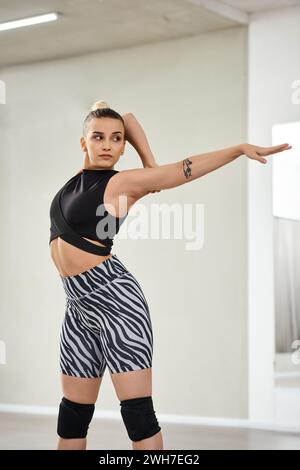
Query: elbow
[[126, 115]]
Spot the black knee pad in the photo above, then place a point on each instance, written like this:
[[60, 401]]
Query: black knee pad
[[74, 419], [139, 418]]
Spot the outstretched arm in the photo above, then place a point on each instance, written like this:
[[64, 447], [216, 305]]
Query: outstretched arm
[[139, 182]]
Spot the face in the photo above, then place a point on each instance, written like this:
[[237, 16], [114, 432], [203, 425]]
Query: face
[[103, 136]]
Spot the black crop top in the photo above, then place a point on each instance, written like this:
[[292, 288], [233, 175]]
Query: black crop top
[[77, 211]]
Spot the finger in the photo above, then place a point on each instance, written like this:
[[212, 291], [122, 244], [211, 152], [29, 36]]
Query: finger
[[269, 151], [287, 148], [281, 146], [277, 147], [272, 150], [281, 149], [256, 156]]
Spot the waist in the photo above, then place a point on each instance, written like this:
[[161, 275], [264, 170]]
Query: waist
[[95, 278]]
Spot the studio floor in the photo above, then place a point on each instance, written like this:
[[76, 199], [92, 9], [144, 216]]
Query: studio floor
[[24, 431]]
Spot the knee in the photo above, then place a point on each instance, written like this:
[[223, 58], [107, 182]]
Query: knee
[[139, 418], [74, 419]]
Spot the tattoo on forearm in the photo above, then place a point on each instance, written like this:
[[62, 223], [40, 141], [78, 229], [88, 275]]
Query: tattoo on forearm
[[186, 168]]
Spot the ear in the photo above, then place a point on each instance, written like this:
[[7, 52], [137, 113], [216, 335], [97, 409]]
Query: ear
[[83, 144]]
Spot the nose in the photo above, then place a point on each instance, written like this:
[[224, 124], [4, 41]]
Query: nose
[[106, 146]]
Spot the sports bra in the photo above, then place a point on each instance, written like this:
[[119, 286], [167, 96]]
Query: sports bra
[[77, 211]]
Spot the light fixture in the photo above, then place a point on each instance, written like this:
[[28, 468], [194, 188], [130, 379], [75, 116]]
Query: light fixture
[[28, 21]]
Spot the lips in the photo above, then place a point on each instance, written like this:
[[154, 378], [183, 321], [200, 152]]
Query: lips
[[106, 155]]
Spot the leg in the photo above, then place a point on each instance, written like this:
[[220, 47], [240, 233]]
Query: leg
[[136, 385], [80, 391], [82, 365], [127, 344]]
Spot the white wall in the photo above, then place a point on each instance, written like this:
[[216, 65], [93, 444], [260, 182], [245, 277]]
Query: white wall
[[190, 95], [274, 50]]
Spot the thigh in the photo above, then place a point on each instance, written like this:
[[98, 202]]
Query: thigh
[[133, 384], [80, 390], [126, 334], [81, 354]]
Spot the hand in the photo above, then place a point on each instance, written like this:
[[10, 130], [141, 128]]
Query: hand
[[256, 153], [152, 165]]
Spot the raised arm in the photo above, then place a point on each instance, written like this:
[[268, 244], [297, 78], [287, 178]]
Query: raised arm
[[137, 138], [137, 183]]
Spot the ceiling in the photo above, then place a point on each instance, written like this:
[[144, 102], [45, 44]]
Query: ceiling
[[100, 25], [252, 6]]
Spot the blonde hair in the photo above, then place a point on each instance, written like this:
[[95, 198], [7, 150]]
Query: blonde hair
[[101, 109], [99, 105]]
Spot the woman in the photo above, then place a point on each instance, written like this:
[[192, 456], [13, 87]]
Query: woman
[[107, 320]]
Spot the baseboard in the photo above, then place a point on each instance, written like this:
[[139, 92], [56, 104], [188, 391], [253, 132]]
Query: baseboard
[[291, 374]]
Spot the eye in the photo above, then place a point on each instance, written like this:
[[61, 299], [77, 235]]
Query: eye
[[115, 137]]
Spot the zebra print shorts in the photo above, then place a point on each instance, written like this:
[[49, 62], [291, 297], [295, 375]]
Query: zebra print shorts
[[107, 322]]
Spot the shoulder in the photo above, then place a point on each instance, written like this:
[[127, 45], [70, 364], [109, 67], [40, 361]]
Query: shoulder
[[125, 181], [122, 184]]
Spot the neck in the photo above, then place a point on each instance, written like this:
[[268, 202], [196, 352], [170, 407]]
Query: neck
[[97, 169]]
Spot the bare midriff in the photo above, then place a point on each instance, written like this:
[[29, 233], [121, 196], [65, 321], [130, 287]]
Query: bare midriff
[[70, 260]]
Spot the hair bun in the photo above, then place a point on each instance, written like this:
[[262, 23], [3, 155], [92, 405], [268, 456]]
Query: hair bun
[[99, 105]]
